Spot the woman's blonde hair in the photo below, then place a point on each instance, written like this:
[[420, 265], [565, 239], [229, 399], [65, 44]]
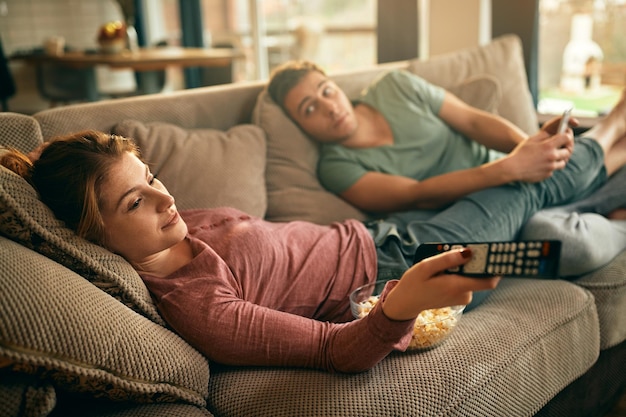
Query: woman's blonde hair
[[68, 175]]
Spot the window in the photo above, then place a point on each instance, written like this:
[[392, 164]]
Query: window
[[582, 55], [335, 34]]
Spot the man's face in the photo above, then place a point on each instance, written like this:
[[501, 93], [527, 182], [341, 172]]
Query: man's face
[[321, 109]]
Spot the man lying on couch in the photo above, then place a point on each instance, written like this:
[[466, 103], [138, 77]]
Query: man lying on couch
[[407, 148]]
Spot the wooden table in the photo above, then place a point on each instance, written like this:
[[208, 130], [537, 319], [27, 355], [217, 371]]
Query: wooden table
[[143, 60]]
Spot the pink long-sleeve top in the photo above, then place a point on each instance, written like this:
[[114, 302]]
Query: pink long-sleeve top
[[262, 293]]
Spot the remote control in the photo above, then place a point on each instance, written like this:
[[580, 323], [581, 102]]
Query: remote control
[[529, 259]]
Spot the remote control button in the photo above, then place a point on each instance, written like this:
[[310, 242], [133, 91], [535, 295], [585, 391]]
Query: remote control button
[[534, 253]]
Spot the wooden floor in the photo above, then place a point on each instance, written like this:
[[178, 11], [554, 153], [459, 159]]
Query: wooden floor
[[620, 409]]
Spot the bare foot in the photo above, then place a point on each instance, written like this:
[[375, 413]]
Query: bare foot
[[618, 214], [612, 128]]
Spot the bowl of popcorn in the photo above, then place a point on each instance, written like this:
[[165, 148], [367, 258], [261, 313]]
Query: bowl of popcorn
[[431, 328]]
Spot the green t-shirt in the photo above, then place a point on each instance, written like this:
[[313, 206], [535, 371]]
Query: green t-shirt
[[424, 145]]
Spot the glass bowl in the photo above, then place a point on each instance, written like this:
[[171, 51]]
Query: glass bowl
[[432, 327]]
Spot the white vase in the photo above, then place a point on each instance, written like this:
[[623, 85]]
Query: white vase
[[582, 57]]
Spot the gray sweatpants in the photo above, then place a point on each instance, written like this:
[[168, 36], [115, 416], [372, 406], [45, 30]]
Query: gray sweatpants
[[590, 240]]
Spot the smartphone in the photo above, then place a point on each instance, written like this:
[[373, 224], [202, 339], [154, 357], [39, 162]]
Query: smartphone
[[564, 121]]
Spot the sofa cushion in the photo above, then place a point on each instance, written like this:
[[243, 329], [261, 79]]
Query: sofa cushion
[[58, 326], [204, 168], [510, 356], [25, 395], [25, 219], [503, 59], [294, 191], [608, 286], [481, 91], [20, 131], [108, 409]]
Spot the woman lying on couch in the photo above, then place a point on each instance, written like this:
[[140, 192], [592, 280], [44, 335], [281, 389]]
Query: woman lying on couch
[[245, 291], [407, 145]]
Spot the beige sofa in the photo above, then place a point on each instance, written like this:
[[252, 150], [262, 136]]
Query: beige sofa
[[79, 334]]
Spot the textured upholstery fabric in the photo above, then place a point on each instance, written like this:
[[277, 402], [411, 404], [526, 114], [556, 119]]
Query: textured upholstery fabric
[[505, 367], [58, 326], [594, 393], [205, 168], [25, 395], [20, 132], [25, 219], [88, 407], [481, 91], [502, 58], [608, 286], [294, 191], [228, 105]]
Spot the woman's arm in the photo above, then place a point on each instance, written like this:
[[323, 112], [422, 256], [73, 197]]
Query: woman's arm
[[233, 331]]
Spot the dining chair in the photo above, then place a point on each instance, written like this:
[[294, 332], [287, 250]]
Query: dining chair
[[216, 76], [60, 84]]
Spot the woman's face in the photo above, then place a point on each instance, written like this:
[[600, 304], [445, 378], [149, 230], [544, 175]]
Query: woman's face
[[140, 217]]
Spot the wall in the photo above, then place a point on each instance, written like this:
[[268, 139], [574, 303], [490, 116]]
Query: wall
[[520, 17], [458, 24], [421, 28]]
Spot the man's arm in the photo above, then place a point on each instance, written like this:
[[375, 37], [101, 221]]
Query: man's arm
[[488, 129], [532, 160]]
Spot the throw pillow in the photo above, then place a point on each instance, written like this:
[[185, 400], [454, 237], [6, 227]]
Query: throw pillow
[[204, 168], [25, 219], [72, 336], [20, 131], [481, 91], [502, 58]]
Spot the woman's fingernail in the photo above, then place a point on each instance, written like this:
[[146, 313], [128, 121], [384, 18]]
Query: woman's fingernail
[[466, 253]]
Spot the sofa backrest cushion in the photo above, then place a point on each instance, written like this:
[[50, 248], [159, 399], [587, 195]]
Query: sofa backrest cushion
[[25, 219], [217, 107], [59, 327], [204, 168], [19, 131], [503, 59]]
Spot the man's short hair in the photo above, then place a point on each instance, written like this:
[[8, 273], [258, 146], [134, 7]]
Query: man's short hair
[[287, 76]]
